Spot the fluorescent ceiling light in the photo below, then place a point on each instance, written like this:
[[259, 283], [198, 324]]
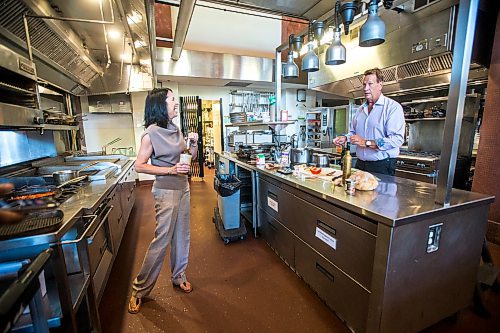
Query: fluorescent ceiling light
[[114, 34]]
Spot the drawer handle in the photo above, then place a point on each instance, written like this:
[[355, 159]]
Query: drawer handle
[[272, 226], [272, 195], [326, 227], [324, 272]]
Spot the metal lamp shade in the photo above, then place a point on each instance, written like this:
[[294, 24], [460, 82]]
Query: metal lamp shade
[[372, 32], [290, 69], [310, 62], [335, 53], [297, 44], [347, 11]]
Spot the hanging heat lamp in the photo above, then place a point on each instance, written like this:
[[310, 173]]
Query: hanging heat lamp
[[310, 61], [290, 68], [336, 52], [372, 32]]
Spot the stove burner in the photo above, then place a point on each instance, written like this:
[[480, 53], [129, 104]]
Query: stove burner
[[419, 154]]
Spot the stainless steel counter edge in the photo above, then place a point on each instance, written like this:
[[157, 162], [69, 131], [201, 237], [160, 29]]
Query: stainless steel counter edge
[[396, 201], [85, 200]]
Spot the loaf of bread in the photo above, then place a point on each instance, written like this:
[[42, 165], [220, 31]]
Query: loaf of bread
[[365, 181]]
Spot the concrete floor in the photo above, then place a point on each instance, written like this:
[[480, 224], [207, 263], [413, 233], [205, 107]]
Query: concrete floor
[[240, 287]]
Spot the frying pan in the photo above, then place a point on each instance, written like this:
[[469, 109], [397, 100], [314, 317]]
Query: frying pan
[[63, 176], [41, 191]]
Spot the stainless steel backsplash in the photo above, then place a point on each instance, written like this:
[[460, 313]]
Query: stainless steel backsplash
[[22, 146]]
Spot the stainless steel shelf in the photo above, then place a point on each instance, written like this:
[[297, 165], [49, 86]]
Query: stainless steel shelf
[[424, 119], [259, 123]]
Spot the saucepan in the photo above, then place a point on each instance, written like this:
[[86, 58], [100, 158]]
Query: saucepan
[[64, 176]]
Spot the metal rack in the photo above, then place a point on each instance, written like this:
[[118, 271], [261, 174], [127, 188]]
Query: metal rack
[[313, 129]]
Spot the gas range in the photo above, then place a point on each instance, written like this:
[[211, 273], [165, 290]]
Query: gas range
[[421, 166]]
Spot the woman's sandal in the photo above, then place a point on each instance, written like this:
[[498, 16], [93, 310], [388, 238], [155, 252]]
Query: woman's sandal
[[185, 286], [134, 305]]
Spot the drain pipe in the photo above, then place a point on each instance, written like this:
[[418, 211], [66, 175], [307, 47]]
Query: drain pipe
[[186, 10], [150, 17]]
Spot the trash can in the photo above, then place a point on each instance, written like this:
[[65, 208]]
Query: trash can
[[228, 199]]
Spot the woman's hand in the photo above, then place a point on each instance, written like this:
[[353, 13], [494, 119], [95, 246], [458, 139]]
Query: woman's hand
[[193, 138], [181, 168]]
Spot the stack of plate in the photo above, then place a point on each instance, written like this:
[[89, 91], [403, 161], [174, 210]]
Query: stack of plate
[[238, 117]]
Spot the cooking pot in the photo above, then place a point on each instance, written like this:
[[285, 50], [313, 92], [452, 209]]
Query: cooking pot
[[64, 176], [300, 155], [321, 160]]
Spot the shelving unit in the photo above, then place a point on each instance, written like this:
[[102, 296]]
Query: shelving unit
[[313, 129], [208, 136]]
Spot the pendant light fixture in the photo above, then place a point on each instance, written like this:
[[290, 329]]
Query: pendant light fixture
[[348, 10], [372, 32], [310, 61], [297, 42], [319, 29], [336, 52], [290, 68]]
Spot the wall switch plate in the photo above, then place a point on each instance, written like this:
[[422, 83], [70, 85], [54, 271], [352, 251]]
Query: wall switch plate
[[433, 237]]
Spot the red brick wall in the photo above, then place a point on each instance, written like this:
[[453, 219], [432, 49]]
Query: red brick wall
[[290, 26], [487, 173], [163, 22]]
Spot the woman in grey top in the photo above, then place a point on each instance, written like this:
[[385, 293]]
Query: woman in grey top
[[162, 142]]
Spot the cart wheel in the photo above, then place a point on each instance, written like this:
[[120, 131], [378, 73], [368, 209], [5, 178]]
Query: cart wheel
[[226, 241], [242, 237]]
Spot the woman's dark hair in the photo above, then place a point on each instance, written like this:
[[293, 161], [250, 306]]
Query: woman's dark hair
[[155, 110]]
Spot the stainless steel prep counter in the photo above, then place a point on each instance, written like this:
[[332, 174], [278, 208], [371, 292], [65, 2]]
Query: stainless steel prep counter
[[388, 260]]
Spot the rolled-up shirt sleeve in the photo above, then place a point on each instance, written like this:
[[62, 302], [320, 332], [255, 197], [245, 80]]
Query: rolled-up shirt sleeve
[[394, 129]]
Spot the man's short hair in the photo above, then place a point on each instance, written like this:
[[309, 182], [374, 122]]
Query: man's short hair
[[377, 72]]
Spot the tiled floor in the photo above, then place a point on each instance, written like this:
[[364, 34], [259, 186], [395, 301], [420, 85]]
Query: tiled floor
[[240, 287]]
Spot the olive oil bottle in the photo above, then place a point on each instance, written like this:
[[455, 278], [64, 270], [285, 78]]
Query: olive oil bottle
[[346, 163]]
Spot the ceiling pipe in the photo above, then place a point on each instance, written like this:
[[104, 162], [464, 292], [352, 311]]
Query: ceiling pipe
[[186, 10], [123, 18], [150, 18], [108, 56]]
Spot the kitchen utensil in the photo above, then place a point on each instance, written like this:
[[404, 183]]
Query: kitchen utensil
[[109, 144], [300, 155], [63, 176], [321, 160]]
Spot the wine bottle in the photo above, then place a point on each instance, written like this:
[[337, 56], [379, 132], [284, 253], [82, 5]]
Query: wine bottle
[[346, 164]]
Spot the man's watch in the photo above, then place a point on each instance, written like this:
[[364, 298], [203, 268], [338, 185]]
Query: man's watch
[[368, 143]]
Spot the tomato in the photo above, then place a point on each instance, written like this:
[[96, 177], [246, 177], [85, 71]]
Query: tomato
[[315, 171]]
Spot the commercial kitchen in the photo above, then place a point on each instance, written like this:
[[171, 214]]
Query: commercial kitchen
[[267, 86]]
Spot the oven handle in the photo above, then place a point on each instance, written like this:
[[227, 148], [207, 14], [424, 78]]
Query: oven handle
[[91, 238], [430, 175], [84, 234]]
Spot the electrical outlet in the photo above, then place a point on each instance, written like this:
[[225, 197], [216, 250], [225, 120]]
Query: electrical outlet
[[433, 237], [420, 46]]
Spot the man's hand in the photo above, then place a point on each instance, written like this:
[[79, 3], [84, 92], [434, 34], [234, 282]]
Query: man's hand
[[357, 140], [340, 140], [7, 216]]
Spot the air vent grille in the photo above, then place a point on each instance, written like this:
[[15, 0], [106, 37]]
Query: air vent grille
[[413, 69], [44, 40], [389, 74], [441, 62]]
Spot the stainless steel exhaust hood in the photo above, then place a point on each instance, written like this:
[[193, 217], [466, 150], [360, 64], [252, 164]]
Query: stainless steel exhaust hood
[[416, 56]]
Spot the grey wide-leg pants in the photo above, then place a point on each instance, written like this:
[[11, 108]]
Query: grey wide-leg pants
[[172, 227]]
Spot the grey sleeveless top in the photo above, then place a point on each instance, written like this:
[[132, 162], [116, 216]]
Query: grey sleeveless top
[[168, 143]]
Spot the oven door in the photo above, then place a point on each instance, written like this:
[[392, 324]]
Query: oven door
[[419, 176], [100, 248]]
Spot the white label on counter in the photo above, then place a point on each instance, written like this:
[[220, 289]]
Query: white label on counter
[[329, 240], [272, 203]]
